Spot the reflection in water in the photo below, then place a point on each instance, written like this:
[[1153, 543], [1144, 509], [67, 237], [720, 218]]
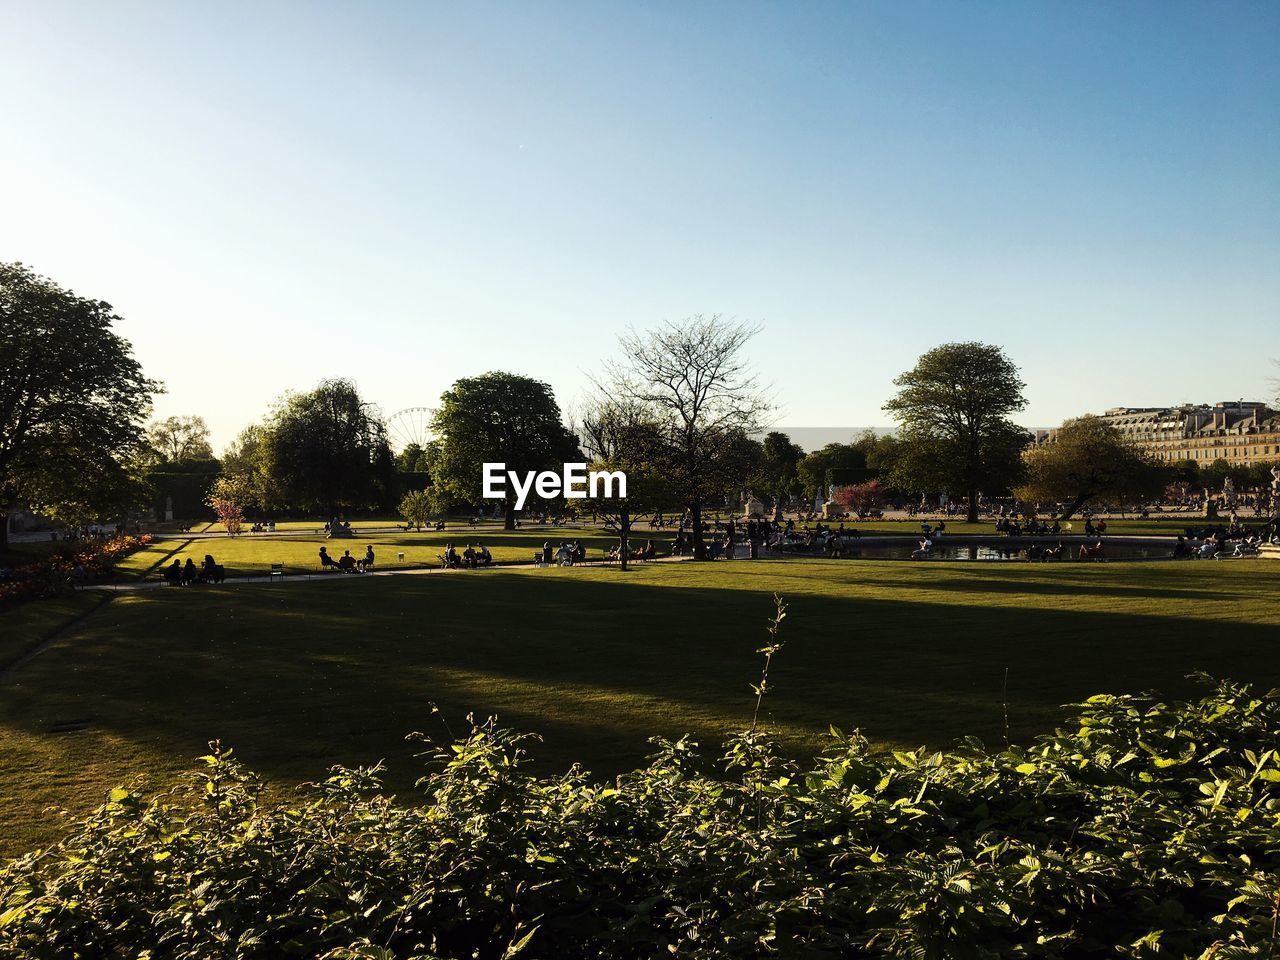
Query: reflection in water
[[998, 551]]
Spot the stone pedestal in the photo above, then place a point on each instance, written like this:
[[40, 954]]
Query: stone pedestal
[[753, 509], [831, 510]]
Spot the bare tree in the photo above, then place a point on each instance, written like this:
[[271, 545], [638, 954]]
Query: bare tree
[[180, 438], [693, 382]]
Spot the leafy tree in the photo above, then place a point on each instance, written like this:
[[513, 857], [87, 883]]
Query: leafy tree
[[416, 508], [246, 459], [1089, 460], [953, 408], [416, 458], [778, 476], [498, 418], [228, 498], [73, 401], [815, 470], [327, 450], [180, 438], [858, 497], [618, 435], [692, 380], [1215, 474]]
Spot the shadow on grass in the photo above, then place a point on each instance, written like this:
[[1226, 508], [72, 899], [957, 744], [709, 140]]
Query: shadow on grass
[[297, 677]]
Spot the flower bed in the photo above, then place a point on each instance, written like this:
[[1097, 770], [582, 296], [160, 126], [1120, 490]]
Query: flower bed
[[78, 562]]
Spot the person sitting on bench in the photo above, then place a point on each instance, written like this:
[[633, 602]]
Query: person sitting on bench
[[211, 571], [365, 563], [483, 557], [326, 561], [173, 573]]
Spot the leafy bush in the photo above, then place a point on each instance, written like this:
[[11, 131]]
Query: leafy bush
[[1147, 827]]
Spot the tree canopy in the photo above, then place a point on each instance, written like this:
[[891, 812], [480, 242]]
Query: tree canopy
[[956, 436], [498, 417], [73, 401], [618, 435], [175, 439], [327, 450], [1090, 460]]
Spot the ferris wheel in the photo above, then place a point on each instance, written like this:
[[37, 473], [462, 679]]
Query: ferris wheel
[[410, 426]]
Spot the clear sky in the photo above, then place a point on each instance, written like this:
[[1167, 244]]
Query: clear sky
[[405, 193]]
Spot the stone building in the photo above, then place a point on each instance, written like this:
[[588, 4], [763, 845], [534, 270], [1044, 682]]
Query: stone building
[[1240, 432]]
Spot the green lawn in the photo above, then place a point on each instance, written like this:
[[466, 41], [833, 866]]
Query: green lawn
[[298, 676], [28, 625], [251, 554], [297, 545]]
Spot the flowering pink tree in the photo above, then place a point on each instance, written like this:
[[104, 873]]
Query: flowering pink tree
[[858, 497], [227, 500]]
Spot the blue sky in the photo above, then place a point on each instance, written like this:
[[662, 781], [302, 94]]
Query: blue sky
[[406, 193]]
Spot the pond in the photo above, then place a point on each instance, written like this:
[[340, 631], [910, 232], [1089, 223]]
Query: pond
[[1001, 550]]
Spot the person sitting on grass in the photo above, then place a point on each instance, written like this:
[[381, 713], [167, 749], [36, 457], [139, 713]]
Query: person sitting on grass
[[189, 572], [365, 563], [326, 561]]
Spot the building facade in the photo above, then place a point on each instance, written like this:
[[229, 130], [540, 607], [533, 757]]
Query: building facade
[[1241, 432]]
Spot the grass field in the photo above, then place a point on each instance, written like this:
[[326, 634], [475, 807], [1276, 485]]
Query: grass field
[[297, 544], [251, 554], [302, 675]]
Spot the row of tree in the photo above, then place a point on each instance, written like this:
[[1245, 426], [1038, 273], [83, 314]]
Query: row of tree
[[679, 410]]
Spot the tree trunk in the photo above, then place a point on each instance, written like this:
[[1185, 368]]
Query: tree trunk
[[4, 528], [695, 521], [972, 516], [624, 536], [1076, 504], [509, 516]]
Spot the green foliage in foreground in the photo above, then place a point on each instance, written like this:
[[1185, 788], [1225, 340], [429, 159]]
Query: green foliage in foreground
[[1150, 827]]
